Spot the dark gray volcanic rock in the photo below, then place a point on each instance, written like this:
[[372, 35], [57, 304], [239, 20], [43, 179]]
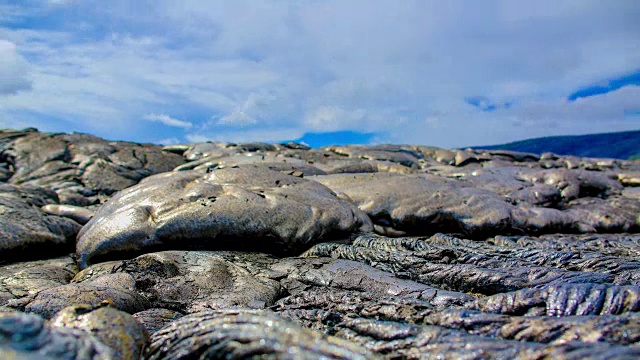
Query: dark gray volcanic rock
[[157, 318], [78, 214], [120, 331], [79, 164], [613, 329], [422, 203], [26, 231], [115, 289], [425, 204], [28, 336], [397, 154], [614, 214], [452, 251], [193, 152], [619, 245], [324, 311], [271, 162], [329, 275], [485, 253], [193, 281], [630, 178], [400, 340], [240, 334], [29, 278], [238, 207], [562, 299], [437, 270]]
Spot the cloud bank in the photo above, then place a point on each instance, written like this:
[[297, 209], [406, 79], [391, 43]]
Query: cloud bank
[[450, 74], [13, 70], [168, 120]]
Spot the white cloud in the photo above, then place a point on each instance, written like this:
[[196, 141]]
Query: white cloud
[[397, 68], [237, 117], [13, 70], [240, 136], [197, 138], [168, 141], [168, 120], [332, 118], [533, 118], [250, 110]]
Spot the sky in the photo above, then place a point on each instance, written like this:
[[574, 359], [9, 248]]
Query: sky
[[443, 73]]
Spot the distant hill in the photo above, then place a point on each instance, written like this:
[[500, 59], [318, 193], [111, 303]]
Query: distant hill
[[619, 145]]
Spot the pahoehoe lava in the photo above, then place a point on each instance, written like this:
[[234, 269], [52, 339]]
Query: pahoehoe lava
[[116, 250]]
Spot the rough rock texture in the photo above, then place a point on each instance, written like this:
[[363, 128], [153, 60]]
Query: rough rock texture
[[157, 318], [326, 275], [564, 300], [29, 278], [27, 232], [438, 268], [271, 162], [116, 289], [323, 310], [192, 281], [223, 208], [426, 204], [80, 163], [398, 340], [28, 336], [118, 330], [240, 334], [282, 251]]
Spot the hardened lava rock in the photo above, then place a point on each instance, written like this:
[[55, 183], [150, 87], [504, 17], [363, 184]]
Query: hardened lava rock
[[328, 310], [78, 214], [422, 204], [80, 165], [120, 331], [409, 341], [618, 245], [24, 279], [259, 250], [116, 289], [28, 336], [326, 274], [453, 251], [495, 204], [241, 334], [241, 208], [276, 163], [439, 269], [193, 281], [157, 318], [25, 231], [563, 300]]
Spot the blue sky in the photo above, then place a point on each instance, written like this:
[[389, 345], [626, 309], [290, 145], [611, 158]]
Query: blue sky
[[450, 74]]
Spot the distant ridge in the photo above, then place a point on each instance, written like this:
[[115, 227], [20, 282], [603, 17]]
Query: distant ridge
[[619, 145]]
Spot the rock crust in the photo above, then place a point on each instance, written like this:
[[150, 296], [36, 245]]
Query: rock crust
[[247, 208], [115, 250]]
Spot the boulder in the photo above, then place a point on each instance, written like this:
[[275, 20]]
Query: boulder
[[28, 233], [81, 163], [23, 279], [242, 208], [28, 336], [120, 331], [115, 289]]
